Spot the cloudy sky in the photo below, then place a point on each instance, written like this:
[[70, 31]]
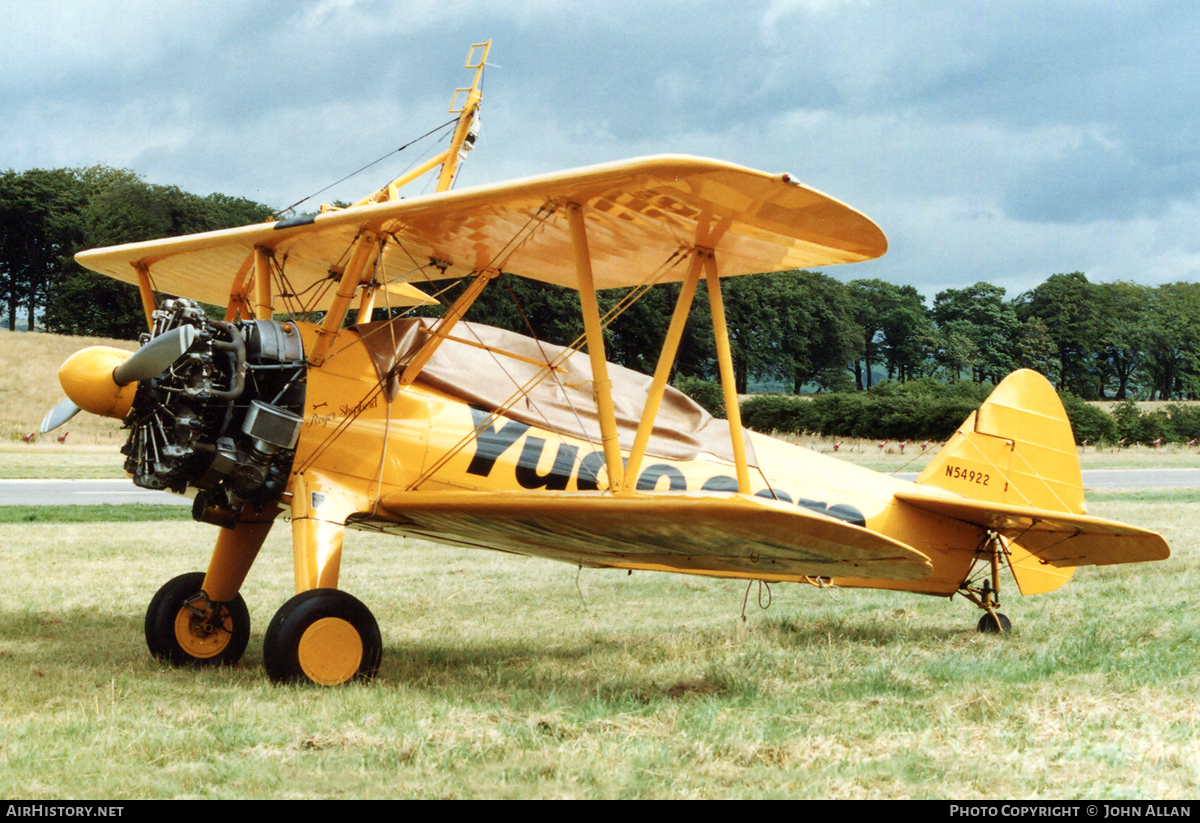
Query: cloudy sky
[[1000, 141]]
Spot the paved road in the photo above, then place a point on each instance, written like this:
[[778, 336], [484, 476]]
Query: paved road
[[92, 492], [1105, 479], [81, 493], [1141, 479]]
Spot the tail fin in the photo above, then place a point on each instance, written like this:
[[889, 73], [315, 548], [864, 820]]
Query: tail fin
[[1016, 450]]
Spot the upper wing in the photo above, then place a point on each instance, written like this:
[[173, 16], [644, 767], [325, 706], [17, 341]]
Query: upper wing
[[732, 536], [638, 214], [1055, 538]]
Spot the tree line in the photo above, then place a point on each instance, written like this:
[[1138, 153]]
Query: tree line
[[927, 409], [794, 332], [47, 215], [805, 332]]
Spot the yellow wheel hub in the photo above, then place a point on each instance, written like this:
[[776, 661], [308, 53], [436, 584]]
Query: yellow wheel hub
[[203, 636], [330, 651]]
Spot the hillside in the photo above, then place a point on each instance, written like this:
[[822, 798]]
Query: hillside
[[29, 388]]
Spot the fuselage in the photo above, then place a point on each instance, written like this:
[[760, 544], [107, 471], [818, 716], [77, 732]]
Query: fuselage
[[423, 439]]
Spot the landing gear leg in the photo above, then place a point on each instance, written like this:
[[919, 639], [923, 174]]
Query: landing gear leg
[[322, 635], [199, 618], [993, 551]]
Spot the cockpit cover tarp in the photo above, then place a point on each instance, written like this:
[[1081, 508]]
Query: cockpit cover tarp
[[560, 401]]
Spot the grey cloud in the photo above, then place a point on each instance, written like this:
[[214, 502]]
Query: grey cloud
[[991, 140]]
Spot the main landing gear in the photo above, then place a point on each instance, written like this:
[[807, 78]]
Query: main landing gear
[[185, 628], [992, 551], [322, 636]]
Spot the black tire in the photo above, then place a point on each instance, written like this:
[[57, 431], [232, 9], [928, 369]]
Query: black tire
[[322, 636], [181, 631], [987, 624]]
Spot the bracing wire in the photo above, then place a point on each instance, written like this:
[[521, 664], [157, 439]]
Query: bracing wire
[[379, 386], [276, 215], [628, 300], [495, 264]]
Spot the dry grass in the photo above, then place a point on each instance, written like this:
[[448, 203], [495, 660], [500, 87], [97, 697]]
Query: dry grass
[[29, 388], [50, 459], [506, 677], [1143, 406]]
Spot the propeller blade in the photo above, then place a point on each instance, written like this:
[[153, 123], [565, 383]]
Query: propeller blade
[[58, 415], [153, 358]]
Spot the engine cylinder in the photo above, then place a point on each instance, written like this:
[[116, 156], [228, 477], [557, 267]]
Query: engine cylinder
[[224, 418]]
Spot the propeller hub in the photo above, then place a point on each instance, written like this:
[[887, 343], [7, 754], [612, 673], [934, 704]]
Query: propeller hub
[[87, 378]]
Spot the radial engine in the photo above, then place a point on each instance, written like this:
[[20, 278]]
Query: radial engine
[[223, 418]]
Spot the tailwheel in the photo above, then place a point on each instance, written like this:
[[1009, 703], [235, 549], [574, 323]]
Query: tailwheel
[[185, 628], [994, 623], [323, 636], [994, 551]]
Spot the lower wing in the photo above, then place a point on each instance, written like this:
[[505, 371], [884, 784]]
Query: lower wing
[[733, 536]]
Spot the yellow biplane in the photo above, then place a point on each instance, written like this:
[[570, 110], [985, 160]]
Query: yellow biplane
[[465, 434]]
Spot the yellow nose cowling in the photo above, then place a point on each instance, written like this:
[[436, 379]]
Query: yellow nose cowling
[[87, 378]]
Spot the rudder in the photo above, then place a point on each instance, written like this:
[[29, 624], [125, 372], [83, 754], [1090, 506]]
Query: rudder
[[1017, 449]]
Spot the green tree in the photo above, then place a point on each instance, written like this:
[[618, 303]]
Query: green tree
[[755, 306], [1034, 349], [119, 207], [955, 349], [869, 298], [1173, 333], [1067, 304], [909, 335], [820, 332], [1124, 334], [980, 314], [895, 328], [39, 227]]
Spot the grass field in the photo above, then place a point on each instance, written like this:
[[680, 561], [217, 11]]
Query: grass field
[[508, 677]]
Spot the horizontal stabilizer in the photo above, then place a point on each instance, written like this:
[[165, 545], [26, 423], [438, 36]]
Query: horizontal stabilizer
[[730, 536], [1056, 538]]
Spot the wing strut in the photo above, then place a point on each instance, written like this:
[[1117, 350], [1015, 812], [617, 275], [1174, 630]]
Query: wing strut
[[366, 244], [237, 294], [601, 385], [445, 324], [263, 300], [733, 413], [662, 372], [366, 305], [146, 292]]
